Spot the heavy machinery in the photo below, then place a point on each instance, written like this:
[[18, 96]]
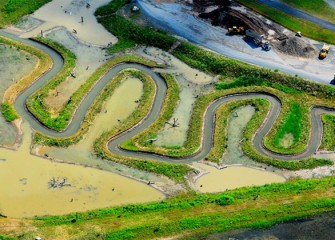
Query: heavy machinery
[[235, 30], [258, 39], [324, 51]]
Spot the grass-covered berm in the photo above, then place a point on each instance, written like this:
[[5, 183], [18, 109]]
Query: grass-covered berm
[[187, 216], [12, 10]]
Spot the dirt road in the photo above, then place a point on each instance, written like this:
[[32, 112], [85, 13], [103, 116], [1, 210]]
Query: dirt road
[[177, 19]]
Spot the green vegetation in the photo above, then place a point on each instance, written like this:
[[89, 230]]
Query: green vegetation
[[319, 8], [128, 33], [221, 124], [291, 125], [196, 214], [35, 102], [141, 141], [42, 66], [12, 10], [9, 112], [328, 139], [96, 107], [295, 24]]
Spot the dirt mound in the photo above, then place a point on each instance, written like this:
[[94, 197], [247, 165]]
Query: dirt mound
[[297, 47]]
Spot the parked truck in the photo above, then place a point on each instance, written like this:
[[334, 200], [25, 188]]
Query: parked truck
[[258, 39]]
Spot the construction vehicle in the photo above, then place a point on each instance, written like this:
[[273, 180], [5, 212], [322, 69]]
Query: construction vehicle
[[235, 30], [258, 39], [324, 51]]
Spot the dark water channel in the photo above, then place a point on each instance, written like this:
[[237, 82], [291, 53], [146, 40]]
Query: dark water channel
[[319, 227]]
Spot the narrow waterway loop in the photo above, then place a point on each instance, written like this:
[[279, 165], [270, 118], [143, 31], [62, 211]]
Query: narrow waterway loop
[[208, 127]]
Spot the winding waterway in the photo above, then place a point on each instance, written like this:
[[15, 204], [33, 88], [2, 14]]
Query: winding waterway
[[107, 189]]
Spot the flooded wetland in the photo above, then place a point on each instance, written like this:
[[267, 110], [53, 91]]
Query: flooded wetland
[[41, 180]]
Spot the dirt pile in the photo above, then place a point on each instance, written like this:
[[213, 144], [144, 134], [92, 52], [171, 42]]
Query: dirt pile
[[297, 47]]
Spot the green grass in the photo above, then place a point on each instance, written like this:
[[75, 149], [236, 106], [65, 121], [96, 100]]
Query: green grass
[[8, 112], [328, 139], [195, 214], [170, 103], [318, 8], [308, 29], [12, 10], [291, 125], [35, 102], [128, 33]]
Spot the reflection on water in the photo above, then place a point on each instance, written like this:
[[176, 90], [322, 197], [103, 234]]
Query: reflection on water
[[320, 227]]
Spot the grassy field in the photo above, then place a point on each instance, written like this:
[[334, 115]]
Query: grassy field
[[308, 29], [12, 10], [328, 139], [189, 215], [319, 8], [291, 125]]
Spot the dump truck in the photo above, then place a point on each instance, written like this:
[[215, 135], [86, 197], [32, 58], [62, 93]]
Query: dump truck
[[258, 39], [236, 30], [324, 51]]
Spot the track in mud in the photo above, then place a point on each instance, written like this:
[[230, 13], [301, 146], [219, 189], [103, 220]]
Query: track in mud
[[208, 128]]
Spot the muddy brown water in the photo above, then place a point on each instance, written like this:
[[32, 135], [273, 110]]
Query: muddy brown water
[[68, 14], [216, 180], [89, 58], [27, 194], [14, 65], [116, 109], [25, 191]]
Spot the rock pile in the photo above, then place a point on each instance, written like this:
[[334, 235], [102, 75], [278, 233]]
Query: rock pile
[[297, 47]]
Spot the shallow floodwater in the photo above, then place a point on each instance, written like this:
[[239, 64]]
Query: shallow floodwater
[[68, 14], [89, 58], [237, 122], [118, 107], [14, 65], [217, 180], [177, 66], [176, 136], [25, 190]]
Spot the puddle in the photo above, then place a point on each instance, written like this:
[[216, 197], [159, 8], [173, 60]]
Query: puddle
[[238, 120], [89, 58], [120, 105], [27, 192], [217, 180], [10, 59], [176, 136], [287, 140], [177, 66], [68, 14], [192, 83]]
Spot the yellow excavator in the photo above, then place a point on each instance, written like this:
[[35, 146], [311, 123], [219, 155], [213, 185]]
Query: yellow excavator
[[236, 30], [324, 51]]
